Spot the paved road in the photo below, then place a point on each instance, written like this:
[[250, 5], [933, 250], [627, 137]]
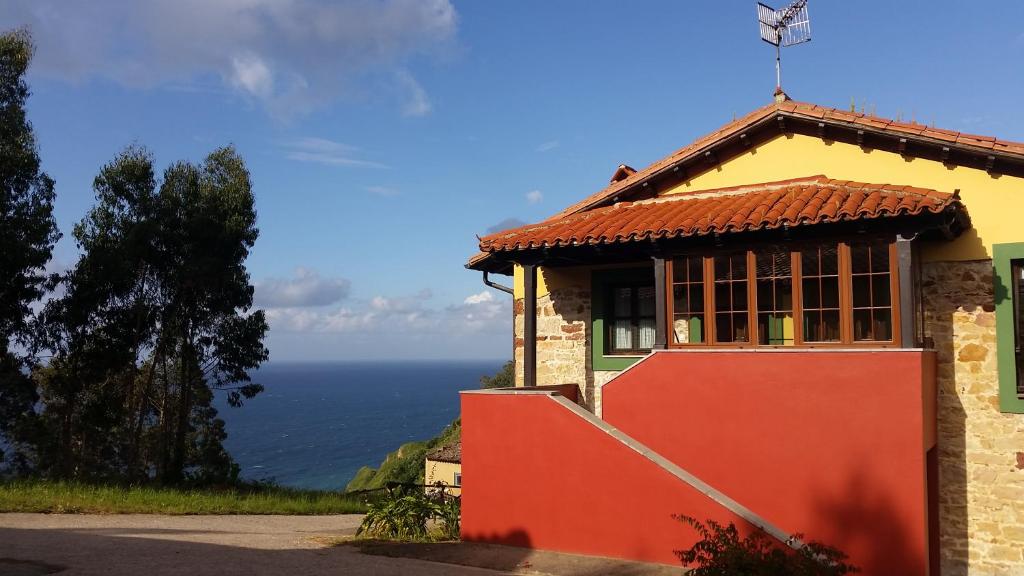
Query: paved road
[[149, 545]]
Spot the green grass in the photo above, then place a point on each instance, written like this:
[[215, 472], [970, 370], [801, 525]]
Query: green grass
[[76, 498]]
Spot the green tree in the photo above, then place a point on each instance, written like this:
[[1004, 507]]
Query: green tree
[[503, 378], [156, 317], [28, 232]]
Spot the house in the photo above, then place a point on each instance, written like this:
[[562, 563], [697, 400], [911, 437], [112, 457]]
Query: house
[[443, 465], [806, 322]]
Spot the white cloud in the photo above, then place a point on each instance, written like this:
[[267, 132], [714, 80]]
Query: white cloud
[[324, 151], [385, 191], [480, 298], [547, 146], [250, 73], [292, 56], [417, 103], [306, 288], [534, 196], [381, 314]]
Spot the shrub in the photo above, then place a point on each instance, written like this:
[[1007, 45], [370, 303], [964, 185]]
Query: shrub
[[403, 515], [721, 552]]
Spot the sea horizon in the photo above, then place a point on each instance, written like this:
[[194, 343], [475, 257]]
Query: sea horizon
[[317, 422]]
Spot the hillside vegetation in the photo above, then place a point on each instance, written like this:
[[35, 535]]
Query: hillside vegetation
[[74, 497], [405, 464]]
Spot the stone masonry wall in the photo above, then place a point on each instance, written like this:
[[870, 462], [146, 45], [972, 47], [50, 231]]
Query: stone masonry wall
[[563, 340], [981, 450]]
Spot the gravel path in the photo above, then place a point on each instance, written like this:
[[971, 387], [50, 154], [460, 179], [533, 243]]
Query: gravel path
[[150, 545]]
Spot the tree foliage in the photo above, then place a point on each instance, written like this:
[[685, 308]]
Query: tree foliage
[[156, 316], [153, 319], [721, 552], [28, 232], [503, 378]]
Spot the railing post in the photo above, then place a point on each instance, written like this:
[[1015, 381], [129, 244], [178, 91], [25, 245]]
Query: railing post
[[530, 325], [660, 309], [908, 311]]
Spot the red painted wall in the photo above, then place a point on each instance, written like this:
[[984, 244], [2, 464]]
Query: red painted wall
[[535, 474], [830, 444]]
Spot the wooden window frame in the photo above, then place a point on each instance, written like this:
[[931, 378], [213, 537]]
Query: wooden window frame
[[635, 318], [795, 249]]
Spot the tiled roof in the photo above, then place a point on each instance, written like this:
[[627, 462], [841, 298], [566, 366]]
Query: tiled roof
[[911, 130], [798, 202], [448, 453]]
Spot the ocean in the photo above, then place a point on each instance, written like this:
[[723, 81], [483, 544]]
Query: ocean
[[316, 424]]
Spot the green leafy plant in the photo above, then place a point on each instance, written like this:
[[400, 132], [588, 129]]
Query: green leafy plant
[[721, 552], [404, 515], [448, 514]]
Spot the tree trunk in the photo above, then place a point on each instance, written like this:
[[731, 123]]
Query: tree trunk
[[184, 410]]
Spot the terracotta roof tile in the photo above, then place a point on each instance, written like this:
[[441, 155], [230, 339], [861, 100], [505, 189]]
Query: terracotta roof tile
[[811, 200]]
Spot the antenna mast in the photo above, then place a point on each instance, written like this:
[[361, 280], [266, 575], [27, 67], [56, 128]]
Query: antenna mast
[[785, 27]]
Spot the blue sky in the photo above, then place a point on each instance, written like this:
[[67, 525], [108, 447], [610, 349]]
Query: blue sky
[[382, 135]]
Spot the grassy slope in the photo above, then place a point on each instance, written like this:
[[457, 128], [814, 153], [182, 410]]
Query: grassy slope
[[68, 497], [404, 464]]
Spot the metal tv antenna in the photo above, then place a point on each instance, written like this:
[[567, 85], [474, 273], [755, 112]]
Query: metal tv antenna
[[785, 27]]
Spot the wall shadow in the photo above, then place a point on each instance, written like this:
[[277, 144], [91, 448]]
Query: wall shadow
[[952, 293], [158, 552]]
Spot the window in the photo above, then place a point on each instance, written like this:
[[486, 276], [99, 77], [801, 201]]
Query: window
[[1008, 289], [631, 326], [872, 291], [732, 322], [819, 268], [774, 276], [832, 293], [458, 479], [688, 300]]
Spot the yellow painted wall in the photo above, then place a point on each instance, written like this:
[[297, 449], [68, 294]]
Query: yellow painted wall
[[443, 472], [993, 202]]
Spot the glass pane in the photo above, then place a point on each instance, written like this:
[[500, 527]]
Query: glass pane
[[784, 294], [722, 301], [646, 334], [880, 257], [739, 266], [883, 324], [862, 291], [680, 302], [739, 295], [688, 269], [862, 325], [723, 328], [696, 269], [811, 295], [812, 327], [688, 329], [622, 335], [860, 256], [830, 326], [775, 329], [697, 298], [809, 262], [829, 260], [880, 290], [741, 332], [765, 295], [623, 303], [830, 292], [645, 300], [721, 268]]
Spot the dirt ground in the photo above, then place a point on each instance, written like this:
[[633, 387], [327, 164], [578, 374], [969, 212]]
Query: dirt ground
[[151, 545]]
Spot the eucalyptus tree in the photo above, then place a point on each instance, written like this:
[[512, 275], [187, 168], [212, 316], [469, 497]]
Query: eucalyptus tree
[[157, 316], [28, 232]]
